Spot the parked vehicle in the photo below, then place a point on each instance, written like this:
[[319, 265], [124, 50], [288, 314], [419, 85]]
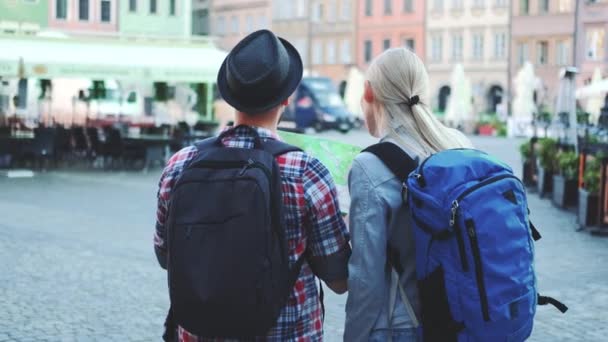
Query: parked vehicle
[[317, 104]]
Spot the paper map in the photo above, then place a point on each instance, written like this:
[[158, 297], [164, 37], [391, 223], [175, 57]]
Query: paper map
[[336, 156]]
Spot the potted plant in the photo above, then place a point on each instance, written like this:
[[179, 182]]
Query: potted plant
[[547, 151], [565, 183], [525, 149], [588, 195]]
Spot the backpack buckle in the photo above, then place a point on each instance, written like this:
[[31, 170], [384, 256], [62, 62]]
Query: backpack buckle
[[404, 192]]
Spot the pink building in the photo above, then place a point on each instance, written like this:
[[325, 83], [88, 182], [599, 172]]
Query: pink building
[[231, 20], [591, 41], [387, 24], [97, 16]]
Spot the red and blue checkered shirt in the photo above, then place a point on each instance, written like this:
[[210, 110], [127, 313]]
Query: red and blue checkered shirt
[[313, 225]]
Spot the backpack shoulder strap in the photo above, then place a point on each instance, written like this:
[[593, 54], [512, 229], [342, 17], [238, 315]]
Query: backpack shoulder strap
[[399, 162], [277, 148], [206, 143]]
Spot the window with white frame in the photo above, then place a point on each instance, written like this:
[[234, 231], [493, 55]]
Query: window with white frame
[[347, 8], [262, 21], [301, 8], [410, 43], [437, 5], [61, 9], [234, 27], [523, 53], [457, 46], [524, 7], [479, 4], [83, 10], [500, 45], [249, 23], [565, 6], [543, 6], [388, 7], [369, 8], [563, 53], [500, 3], [331, 52], [368, 51], [220, 26], [132, 6], [153, 7], [331, 10], [478, 45], [317, 53], [408, 6], [317, 12], [346, 52], [172, 7], [457, 5], [542, 52], [106, 11], [437, 47], [594, 43], [386, 44]]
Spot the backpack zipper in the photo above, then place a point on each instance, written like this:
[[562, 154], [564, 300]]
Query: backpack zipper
[[481, 286], [484, 183], [244, 165], [459, 238]]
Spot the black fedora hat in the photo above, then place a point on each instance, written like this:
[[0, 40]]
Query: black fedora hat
[[260, 72]]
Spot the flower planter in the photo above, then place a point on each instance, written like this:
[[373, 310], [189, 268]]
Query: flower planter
[[564, 191], [528, 174], [588, 205], [544, 182]]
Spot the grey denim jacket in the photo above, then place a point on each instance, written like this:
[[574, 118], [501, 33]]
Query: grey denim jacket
[[376, 212]]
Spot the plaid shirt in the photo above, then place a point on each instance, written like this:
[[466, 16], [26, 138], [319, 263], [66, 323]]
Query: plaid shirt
[[313, 223]]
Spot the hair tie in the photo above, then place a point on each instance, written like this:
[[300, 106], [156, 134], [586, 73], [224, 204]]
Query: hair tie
[[414, 100]]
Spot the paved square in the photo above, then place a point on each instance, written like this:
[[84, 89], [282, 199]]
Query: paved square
[[77, 262]]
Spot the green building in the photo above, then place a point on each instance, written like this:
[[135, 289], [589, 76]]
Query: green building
[[23, 15], [156, 17]]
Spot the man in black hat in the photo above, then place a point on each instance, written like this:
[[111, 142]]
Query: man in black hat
[[257, 78]]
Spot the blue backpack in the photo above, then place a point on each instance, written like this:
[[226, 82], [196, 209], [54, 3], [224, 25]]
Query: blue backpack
[[474, 245]]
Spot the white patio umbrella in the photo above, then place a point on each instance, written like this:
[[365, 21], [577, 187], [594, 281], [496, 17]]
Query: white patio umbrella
[[459, 108], [354, 91], [596, 102]]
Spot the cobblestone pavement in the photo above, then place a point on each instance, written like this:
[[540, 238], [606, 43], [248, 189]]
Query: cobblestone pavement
[[77, 262]]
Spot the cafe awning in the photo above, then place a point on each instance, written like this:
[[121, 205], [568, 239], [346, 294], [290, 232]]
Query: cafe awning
[[109, 58]]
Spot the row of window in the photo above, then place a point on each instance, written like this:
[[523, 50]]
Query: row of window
[[331, 11], [458, 5], [477, 46], [407, 6], [327, 53], [153, 6], [562, 52], [546, 6], [84, 8], [368, 47], [105, 10], [225, 26]]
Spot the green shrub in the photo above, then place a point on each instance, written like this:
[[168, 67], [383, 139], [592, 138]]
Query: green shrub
[[547, 154], [591, 177], [525, 150], [568, 164]]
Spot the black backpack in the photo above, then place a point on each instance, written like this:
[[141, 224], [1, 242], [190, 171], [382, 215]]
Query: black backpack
[[228, 263]]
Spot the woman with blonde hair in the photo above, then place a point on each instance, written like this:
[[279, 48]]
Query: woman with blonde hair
[[382, 304]]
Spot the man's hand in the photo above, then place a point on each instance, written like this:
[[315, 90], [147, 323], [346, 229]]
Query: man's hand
[[338, 286]]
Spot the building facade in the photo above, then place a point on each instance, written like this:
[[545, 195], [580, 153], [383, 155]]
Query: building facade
[[389, 23], [474, 33], [231, 20], [291, 20], [543, 34], [23, 16], [83, 16], [158, 18], [591, 38]]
